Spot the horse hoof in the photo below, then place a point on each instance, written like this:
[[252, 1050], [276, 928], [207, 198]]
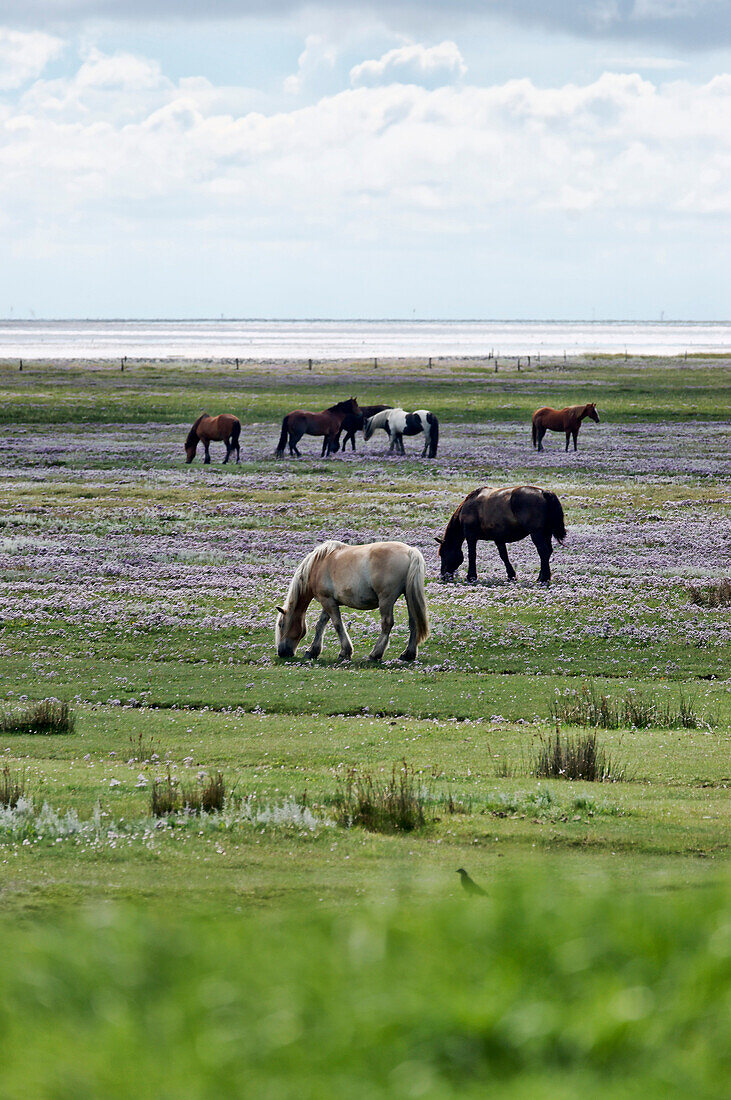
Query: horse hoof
[[311, 656], [406, 656], [471, 580], [374, 657]]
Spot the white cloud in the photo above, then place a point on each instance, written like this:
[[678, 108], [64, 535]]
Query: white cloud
[[24, 56], [318, 53], [430, 66], [120, 145]]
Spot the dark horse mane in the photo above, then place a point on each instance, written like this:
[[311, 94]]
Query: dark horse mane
[[192, 437], [454, 527], [346, 405]]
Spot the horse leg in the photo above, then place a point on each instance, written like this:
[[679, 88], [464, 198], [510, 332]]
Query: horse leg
[[207, 458], [293, 441], [400, 443], [325, 446], [386, 609], [316, 648], [543, 545], [471, 559], [426, 445], [568, 439], [412, 649], [346, 646], [503, 552], [229, 448], [539, 435], [575, 435]]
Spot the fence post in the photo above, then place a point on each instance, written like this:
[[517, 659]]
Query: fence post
[[309, 364], [21, 364], [496, 364], [122, 361], [519, 364], [237, 364], [375, 363], [430, 362]]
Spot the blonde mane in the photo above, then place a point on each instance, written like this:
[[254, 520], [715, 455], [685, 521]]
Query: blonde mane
[[301, 578]]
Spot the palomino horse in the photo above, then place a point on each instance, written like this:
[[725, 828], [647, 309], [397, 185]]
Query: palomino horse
[[214, 429], [561, 420], [397, 423], [327, 423], [502, 516], [364, 577], [353, 424]]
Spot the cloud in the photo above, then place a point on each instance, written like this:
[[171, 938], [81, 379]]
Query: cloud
[[318, 53], [118, 144], [429, 66], [23, 57], [687, 23]]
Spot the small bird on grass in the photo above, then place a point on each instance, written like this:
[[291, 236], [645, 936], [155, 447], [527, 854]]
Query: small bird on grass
[[469, 885]]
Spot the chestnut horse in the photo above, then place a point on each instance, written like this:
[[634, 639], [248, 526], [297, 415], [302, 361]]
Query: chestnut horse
[[327, 423], [364, 577], [209, 429], [502, 516], [353, 424], [561, 420]]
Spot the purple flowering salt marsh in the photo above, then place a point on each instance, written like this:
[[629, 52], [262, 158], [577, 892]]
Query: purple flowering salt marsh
[[143, 591]]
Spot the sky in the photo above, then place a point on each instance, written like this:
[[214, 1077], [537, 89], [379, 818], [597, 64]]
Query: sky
[[439, 159]]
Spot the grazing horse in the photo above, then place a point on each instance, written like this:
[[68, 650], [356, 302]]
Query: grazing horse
[[561, 420], [364, 577], [502, 516], [327, 423], [397, 423], [214, 429], [353, 424]]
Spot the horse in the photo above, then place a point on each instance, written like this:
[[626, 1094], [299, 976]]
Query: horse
[[502, 516], [209, 429], [327, 423], [355, 423], [561, 420], [397, 423], [363, 577]]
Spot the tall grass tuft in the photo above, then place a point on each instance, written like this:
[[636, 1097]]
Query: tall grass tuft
[[715, 594], [562, 757], [49, 716], [12, 788], [395, 805], [167, 796], [635, 710]]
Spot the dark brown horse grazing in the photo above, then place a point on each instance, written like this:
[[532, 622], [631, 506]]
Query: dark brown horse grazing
[[561, 420], [327, 423], [355, 422], [502, 516], [211, 429]]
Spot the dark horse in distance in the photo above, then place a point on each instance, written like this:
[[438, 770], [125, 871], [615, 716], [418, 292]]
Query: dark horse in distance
[[561, 420], [502, 516], [327, 423], [356, 422], [211, 429]]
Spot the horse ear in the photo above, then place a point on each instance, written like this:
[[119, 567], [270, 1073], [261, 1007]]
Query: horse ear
[[281, 611], [437, 539]]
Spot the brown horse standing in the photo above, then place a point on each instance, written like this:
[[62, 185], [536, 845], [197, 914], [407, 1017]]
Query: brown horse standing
[[327, 423], [214, 429], [502, 516], [561, 420]]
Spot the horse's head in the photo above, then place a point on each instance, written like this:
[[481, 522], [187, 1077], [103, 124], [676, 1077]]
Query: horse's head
[[368, 428], [190, 449], [450, 558], [592, 413], [289, 630]]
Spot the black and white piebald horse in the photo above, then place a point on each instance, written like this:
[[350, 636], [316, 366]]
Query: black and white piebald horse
[[397, 423]]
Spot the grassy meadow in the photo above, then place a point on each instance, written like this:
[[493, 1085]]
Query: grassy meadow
[[142, 592]]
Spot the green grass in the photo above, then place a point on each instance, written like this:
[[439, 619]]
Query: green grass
[[273, 950], [539, 990]]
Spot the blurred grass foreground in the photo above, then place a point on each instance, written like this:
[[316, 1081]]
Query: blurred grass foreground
[[541, 989]]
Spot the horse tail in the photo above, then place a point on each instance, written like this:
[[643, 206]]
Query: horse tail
[[534, 427], [283, 437], [235, 432], [416, 596], [555, 523], [433, 434]]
